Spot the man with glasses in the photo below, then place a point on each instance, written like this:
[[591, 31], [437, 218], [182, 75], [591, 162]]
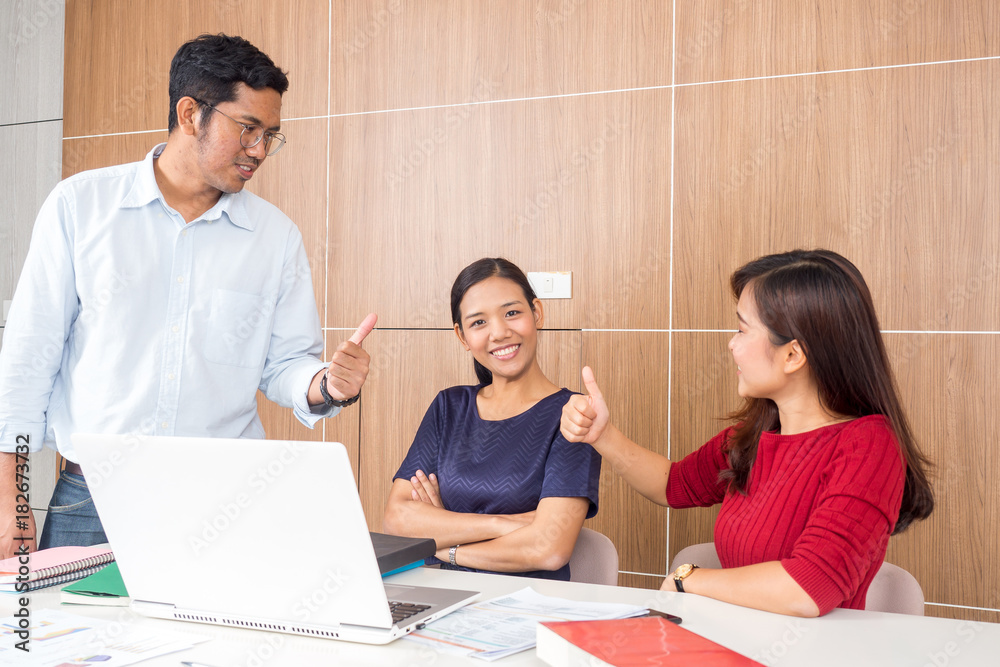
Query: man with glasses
[[158, 296]]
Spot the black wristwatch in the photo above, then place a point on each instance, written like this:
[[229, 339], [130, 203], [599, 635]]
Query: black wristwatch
[[682, 573], [330, 400]]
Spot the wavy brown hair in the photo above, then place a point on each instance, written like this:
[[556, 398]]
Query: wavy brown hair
[[821, 299]]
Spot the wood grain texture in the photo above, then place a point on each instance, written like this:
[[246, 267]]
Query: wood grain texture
[[25, 181], [946, 382], [703, 392], [32, 56], [640, 581], [734, 39], [631, 369], [573, 184], [892, 168], [96, 152], [395, 54], [409, 368], [118, 56], [974, 615], [401, 385]]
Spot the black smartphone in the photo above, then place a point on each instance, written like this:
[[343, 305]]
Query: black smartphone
[[663, 614]]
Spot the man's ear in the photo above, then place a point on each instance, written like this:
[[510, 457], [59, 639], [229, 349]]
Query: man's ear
[[795, 357], [461, 337], [187, 115], [536, 310]]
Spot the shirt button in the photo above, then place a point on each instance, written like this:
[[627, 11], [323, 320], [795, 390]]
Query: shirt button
[[184, 233], [171, 376], [164, 425], [180, 279], [175, 328]]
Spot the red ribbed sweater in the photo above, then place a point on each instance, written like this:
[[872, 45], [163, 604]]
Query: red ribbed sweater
[[822, 502]]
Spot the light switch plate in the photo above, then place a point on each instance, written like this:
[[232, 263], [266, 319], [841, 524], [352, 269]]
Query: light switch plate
[[552, 284]]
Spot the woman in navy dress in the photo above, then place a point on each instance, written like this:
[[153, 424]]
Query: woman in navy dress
[[489, 476]]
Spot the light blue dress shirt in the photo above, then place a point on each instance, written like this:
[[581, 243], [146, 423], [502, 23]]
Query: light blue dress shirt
[[128, 320]]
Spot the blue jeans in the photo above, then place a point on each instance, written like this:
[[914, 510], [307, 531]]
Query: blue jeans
[[72, 518]]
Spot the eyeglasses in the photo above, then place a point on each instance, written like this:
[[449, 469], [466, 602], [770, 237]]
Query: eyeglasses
[[252, 134]]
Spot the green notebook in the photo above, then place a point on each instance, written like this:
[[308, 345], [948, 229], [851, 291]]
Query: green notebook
[[104, 587]]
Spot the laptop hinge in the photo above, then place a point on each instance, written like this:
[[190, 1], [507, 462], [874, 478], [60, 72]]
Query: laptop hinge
[[157, 606]]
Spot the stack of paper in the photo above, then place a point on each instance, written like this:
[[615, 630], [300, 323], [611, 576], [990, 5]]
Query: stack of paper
[[49, 567], [59, 639], [508, 624]]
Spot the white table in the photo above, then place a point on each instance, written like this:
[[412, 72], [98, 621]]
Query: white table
[[843, 637]]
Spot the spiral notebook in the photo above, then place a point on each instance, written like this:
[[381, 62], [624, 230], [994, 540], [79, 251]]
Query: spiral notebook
[[50, 567]]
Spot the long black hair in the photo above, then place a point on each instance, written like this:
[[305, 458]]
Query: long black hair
[[821, 299], [477, 272]]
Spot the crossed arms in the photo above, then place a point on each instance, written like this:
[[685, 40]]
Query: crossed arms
[[539, 540]]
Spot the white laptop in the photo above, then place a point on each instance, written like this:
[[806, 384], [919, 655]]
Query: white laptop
[[260, 534]]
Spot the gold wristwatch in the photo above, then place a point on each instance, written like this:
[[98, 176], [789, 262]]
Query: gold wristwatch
[[682, 573]]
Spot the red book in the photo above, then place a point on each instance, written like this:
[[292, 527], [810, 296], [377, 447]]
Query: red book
[[646, 641]]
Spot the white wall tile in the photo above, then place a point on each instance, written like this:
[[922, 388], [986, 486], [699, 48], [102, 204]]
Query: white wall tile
[[31, 60], [25, 180]]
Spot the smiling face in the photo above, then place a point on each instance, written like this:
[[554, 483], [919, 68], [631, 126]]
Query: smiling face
[[499, 327], [222, 162], [759, 362]]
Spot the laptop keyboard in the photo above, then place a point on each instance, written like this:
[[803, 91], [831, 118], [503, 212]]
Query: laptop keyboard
[[403, 610]]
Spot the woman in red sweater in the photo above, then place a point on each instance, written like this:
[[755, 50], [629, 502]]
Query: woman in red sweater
[[820, 466]]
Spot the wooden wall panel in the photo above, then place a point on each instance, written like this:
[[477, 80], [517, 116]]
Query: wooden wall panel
[[409, 368], [572, 184], [118, 56], [975, 615], [947, 382], [632, 369], [96, 152], [721, 40], [703, 392], [396, 54], [875, 164], [633, 580]]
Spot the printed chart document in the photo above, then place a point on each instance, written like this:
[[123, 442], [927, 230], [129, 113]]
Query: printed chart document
[[60, 639], [508, 624]]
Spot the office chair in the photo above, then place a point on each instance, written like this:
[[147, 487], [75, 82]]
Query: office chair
[[594, 559], [893, 589]]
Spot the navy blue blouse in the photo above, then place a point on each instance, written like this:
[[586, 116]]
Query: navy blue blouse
[[502, 467]]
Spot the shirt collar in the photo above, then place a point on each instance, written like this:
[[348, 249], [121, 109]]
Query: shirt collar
[[145, 190]]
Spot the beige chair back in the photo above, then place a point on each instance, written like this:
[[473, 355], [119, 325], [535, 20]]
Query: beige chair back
[[893, 589], [594, 559]]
